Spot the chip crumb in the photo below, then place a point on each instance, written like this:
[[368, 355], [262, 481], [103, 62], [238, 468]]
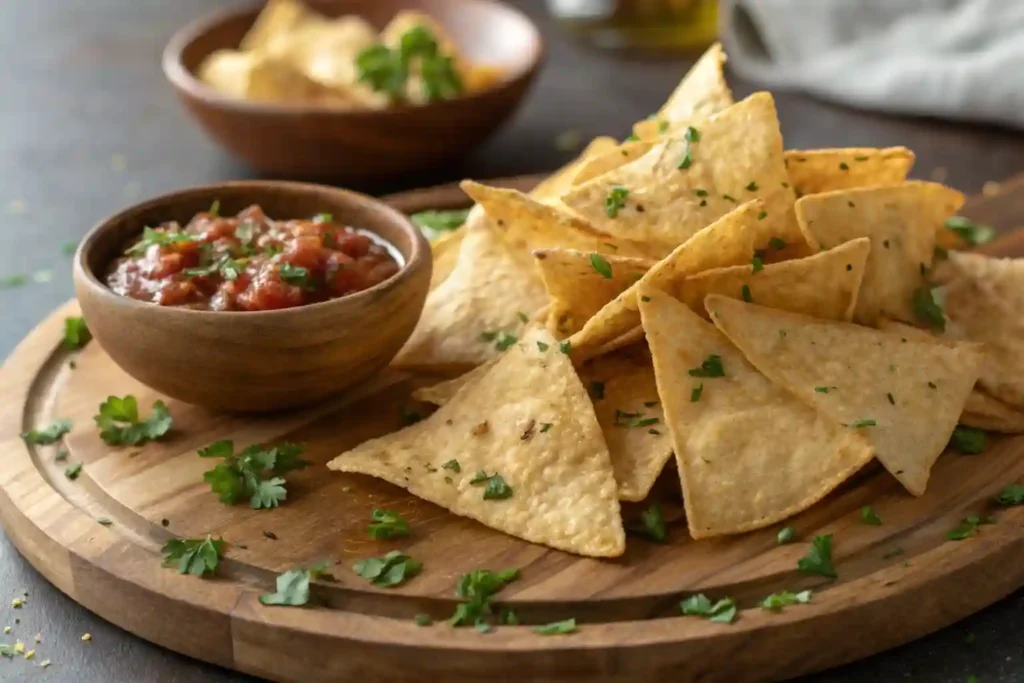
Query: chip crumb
[[19, 647], [17, 206], [31, 654], [38, 638], [991, 188], [939, 174], [86, 637], [16, 603], [45, 663], [7, 629]]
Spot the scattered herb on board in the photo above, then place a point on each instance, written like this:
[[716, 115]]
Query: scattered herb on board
[[72, 471], [971, 232], [968, 527], [252, 472], [615, 201], [601, 265], [786, 535], [495, 487], [423, 620], [387, 524], [652, 524], [435, 223], [293, 586], [391, 570], [818, 559], [119, 423], [869, 516], [723, 611], [968, 440], [195, 556], [776, 601], [477, 588], [51, 433], [557, 628], [76, 333], [1011, 496]]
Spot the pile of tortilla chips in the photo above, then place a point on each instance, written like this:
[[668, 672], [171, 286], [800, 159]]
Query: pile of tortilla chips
[[295, 54], [764, 322]]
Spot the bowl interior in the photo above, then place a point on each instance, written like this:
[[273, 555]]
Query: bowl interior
[[279, 200], [486, 32]]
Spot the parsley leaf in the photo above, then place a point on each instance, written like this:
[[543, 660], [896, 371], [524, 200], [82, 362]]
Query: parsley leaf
[[745, 291], [119, 423], [615, 201], [711, 367], [723, 611], [557, 628], [859, 424], [434, 223], [423, 620], [76, 334], [696, 392], [495, 486], [381, 69], [505, 341], [296, 275], [777, 243], [387, 524], [927, 309], [869, 516], [157, 236], [195, 556], [787, 534], [818, 559], [603, 268], [968, 440], [476, 588], [391, 570], [249, 473], [1010, 496], [293, 586], [968, 527], [452, 465], [971, 232], [653, 523], [72, 471], [686, 161], [51, 433], [691, 134], [777, 601], [565, 346], [756, 263]]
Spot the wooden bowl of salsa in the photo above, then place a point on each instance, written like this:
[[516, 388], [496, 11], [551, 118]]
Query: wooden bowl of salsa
[[253, 295]]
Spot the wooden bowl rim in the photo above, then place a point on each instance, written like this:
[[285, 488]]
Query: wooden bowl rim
[[183, 79], [419, 251]]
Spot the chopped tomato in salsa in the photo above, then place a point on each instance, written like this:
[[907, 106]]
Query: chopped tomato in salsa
[[249, 262]]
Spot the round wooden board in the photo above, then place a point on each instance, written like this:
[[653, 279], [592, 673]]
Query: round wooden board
[[896, 582]]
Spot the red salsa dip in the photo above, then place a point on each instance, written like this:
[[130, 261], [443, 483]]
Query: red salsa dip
[[249, 262]]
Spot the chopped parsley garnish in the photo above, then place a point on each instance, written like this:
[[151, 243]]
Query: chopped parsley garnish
[[1011, 496], [523, 318], [565, 347], [859, 424], [696, 392], [968, 527], [751, 186], [627, 419], [72, 471], [433, 223], [544, 426], [51, 433], [653, 523], [777, 243], [691, 134], [391, 570], [214, 209], [387, 71], [17, 280], [869, 516], [495, 487], [452, 465], [252, 473], [687, 159], [700, 193], [971, 232], [423, 620], [756, 263], [787, 534], [161, 238], [927, 309], [723, 611], [968, 440], [387, 524], [603, 268], [615, 201], [323, 218], [293, 586], [892, 401], [505, 341], [69, 248], [729, 198], [745, 291], [557, 628], [488, 336], [818, 559], [821, 390], [711, 367], [76, 334], [843, 166], [541, 346], [777, 601], [195, 556], [296, 275], [596, 390], [476, 588], [120, 425]]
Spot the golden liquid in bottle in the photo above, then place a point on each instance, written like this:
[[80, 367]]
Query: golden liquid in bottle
[[686, 25]]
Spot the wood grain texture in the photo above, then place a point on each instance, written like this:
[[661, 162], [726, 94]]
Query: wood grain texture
[[264, 360], [630, 625], [316, 140]]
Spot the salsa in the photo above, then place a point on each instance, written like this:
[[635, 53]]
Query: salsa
[[249, 262]]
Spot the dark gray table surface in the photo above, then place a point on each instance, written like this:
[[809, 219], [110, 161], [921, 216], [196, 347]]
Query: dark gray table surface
[[88, 125]]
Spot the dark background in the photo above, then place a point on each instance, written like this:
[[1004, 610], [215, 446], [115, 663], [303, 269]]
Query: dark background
[[88, 125]]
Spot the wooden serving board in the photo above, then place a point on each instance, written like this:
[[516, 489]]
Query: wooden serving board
[[896, 582]]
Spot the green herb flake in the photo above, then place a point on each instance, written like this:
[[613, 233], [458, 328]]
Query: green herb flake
[[1011, 496], [76, 333], [476, 588], [119, 423], [686, 161], [818, 559], [253, 473], [761, 216], [389, 571], [860, 424], [696, 392], [777, 243], [653, 524], [387, 524], [293, 586], [541, 346], [821, 390], [452, 465], [423, 620], [599, 264], [544, 426], [776, 601], [435, 223], [9, 281], [751, 186], [843, 166], [786, 535], [50, 434], [557, 628], [296, 276], [927, 309], [505, 341], [691, 134], [195, 556], [869, 516], [615, 201], [892, 401], [214, 209], [711, 367], [745, 291], [723, 611], [756, 263], [968, 527], [495, 486], [972, 232], [69, 248], [700, 193], [729, 198], [968, 440], [72, 471], [565, 347]]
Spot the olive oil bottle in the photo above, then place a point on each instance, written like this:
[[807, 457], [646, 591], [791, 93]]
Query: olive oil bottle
[[656, 25]]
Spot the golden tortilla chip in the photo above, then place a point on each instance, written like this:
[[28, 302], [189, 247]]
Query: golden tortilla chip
[[278, 18], [701, 93], [682, 185], [823, 170], [904, 397], [529, 421], [984, 302], [749, 453], [479, 310], [610, 160], [901, 222], [551, 189], [445, 252], [580, 283], [824, 285]]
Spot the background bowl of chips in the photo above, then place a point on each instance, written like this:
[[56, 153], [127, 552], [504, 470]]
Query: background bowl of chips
[[358, 145]]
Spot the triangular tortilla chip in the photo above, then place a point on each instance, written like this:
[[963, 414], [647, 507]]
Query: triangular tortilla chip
[[527, 223], [901, 222], [610, 160], [468, 318], [445, 249], [681, 185], [824, 285], [551, 189], [528, 420], [702, 92], [984, 302], [580, 283], [749, 453], [823, 170], [904, 397]]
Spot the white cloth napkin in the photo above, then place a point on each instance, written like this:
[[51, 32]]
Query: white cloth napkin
[[957, 59]]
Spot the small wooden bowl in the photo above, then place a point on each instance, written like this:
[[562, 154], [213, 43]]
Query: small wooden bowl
[[317, 140], [254, 361]]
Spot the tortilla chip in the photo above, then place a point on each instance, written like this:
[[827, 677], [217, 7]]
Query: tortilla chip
[[528, 223], [901, 222], [445, 252], [729, 241], [749, 453], [278, 18], [551, 189], [907, 395], [984, 302], [529, 420], [466, 320], [824, 285], [701, 93], [577, 289], [613, 158], [823, 170], [738, 157]]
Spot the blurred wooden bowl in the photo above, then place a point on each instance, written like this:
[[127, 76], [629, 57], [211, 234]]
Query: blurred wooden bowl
[[254, 361], [321, 140]]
